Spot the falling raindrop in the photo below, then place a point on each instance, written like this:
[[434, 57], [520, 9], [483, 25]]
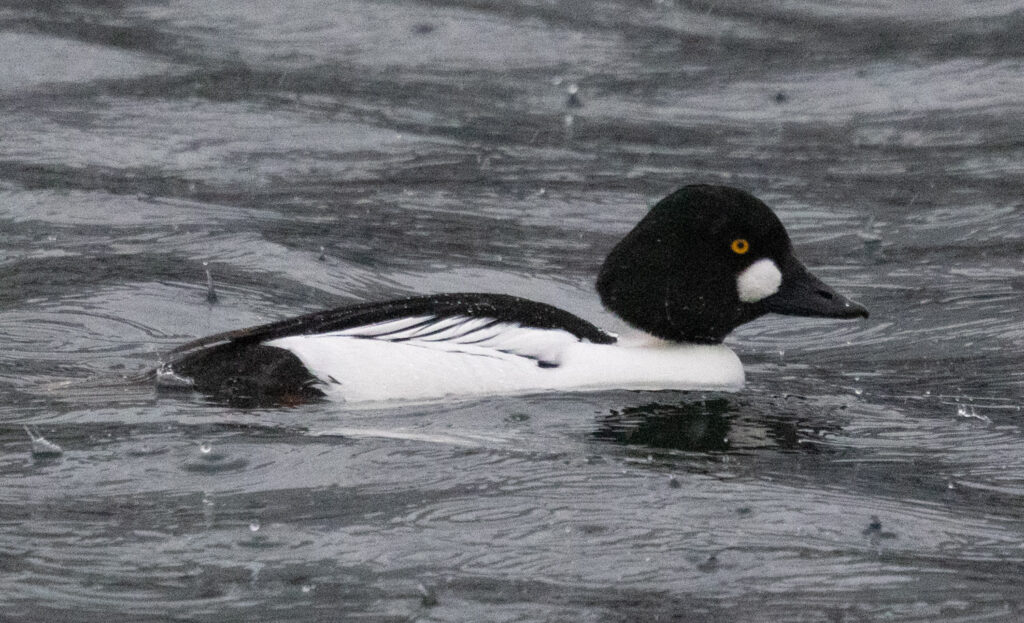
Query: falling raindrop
[[207, 506], [568, 121], [211, 294], [871, 240]]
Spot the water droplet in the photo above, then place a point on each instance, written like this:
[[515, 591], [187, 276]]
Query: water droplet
[[709, 565], [858, 391], [211, 293], [41, 446], [167, 378], [968, 412], [205, 447], [306, 588], [573, 96], [428, 596], [254, 526]]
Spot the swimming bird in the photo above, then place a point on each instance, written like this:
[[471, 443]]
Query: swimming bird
[[704, 260]]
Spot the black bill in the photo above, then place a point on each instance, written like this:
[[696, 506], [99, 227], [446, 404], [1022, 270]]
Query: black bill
[[803, 294]]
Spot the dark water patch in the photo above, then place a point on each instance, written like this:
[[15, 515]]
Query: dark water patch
[[695, 427], [29, 284], [98, 26], [889, 31], [94, 178], [48, 277], [557, 600], [55, 6]]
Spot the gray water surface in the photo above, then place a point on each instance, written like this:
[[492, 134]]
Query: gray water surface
[[312, 154]]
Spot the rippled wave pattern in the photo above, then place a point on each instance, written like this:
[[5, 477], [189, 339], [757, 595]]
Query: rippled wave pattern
[[313, 153]]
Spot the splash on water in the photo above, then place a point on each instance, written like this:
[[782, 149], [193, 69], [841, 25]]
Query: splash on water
[[42, 447]]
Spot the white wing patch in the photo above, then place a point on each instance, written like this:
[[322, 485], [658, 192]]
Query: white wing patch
[[475, 336], [401, 326]]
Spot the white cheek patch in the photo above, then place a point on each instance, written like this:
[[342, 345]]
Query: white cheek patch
[[759, 281]]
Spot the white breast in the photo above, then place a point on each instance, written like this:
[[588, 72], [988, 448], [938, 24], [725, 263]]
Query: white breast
[[425, 359]]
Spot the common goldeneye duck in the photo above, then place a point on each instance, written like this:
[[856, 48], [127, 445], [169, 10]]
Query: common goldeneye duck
[[703, 261]]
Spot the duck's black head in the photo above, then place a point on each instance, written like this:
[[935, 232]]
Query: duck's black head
[[707, 259]]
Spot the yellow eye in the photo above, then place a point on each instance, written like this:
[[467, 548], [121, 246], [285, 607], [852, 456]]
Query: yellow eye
[[740, 246]]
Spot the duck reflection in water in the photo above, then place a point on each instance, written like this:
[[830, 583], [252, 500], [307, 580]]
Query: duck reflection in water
[[709, 425], [700, 426]]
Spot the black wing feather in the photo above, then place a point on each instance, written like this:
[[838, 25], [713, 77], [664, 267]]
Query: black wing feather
[[500, 307]]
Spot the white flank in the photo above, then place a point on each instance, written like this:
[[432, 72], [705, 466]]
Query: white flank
[[759, 281], [428, 359]]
